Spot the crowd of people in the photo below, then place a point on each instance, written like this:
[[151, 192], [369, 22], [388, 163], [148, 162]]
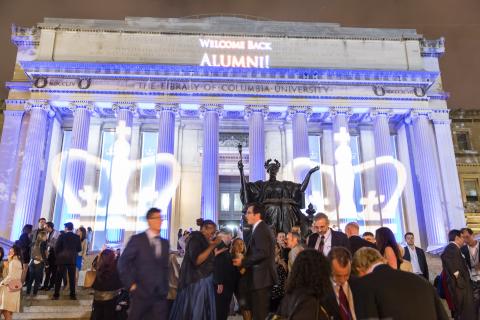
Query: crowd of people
[[261, 275]]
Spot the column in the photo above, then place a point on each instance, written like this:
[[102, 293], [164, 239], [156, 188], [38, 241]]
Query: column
[[385, 174], [344, 174], [328, 159], [8, 157], [77, 160], [164, 184], [120, 173], [256, 141], [210, 183], [451, 186], [301, 153], [32, 166], [429, 181]]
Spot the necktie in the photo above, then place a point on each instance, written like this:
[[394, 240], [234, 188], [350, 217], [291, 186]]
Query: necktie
[[345, 313], [158, 246], [322, 244]]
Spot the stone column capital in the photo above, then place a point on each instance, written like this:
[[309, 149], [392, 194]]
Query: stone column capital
[[336, 111], [84, 105], [250, 109], [39, 105], [14, 113], [293, 110], [204, 108], [380, 112], [130, 106], [167, 107], [418, 113], [441, 117]]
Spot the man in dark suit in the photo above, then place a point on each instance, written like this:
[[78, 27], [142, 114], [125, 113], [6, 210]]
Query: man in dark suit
[[324, 237], [259, 262], [224, 275], [384, 293], [352, 230], [472, 257], [416, 256], [458, 277], [143, 269], [67, 247]]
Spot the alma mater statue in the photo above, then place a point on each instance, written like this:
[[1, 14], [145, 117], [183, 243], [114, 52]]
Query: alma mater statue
[[282, 199]]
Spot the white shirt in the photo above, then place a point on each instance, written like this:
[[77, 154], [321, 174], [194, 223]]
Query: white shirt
[[414, 260], [327, 242], [155, 242], [255, 225], [348, 293]]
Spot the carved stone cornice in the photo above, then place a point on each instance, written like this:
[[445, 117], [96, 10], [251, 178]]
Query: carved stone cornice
[[24, 36], [432, 48], [250, 109], [204, 108]]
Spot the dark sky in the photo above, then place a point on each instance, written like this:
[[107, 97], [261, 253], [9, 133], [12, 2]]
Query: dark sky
[[457, 20]]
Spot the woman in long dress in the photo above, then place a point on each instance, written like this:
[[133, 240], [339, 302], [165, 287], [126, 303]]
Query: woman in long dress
[[10, 301], [196, 295]]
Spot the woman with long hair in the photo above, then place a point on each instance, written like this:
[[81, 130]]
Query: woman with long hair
[[106, 287], [388, 247], [82, 233], [37, 264], [278, 290], [308, 286], [238, 250], [10, 300]]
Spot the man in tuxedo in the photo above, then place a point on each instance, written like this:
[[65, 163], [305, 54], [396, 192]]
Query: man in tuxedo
[[472, 256], [143, 269], [458, 277], [259, 262], [352, 230], [67, 247], [416, 256], [324, 237], [385, 293], [341, 304]]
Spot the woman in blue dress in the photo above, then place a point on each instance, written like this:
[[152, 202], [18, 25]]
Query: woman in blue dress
[[196, 296]]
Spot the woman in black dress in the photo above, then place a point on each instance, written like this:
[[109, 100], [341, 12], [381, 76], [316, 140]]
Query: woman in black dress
[[196, 296]]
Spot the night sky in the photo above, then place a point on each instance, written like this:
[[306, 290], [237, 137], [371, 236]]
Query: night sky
[[456, 20]]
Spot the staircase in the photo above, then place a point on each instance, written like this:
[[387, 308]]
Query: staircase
[[473, 221], [43, 307]]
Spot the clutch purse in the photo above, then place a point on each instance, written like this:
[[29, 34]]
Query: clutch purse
[[14, 285], [90, 276]]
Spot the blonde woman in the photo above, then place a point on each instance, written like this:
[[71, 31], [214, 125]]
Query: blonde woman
[[37, 263], [10, 299]]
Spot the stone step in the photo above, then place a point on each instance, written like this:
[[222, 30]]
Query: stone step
[[52, 315], [58, 308], [48, 302]]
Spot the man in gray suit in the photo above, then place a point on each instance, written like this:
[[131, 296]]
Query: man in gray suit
[[259, 262]]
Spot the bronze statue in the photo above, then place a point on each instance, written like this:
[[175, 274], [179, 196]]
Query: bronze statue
[[282, 199]]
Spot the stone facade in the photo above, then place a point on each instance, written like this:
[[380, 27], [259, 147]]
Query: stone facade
[[153, 99]]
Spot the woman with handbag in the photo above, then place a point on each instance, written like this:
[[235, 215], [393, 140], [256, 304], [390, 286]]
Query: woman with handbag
[[11, 285], [106, 287], [308, 286]]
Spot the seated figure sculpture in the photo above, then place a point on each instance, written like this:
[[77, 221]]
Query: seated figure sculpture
[[282, 199]]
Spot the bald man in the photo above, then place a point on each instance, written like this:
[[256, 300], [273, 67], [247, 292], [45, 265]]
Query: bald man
[[352, 230]]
